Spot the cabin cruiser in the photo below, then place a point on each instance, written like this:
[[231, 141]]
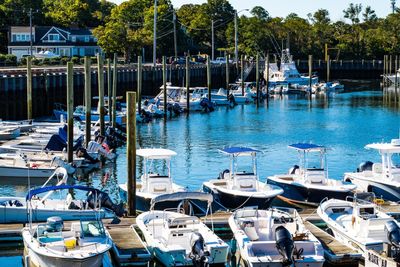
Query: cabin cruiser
[[274, 237], [49, 203], [381, 178], [178, 239], [84, 243], [236, 188], [309, 185], [287, 73], [358, 223], [153, 183], [328, 87]]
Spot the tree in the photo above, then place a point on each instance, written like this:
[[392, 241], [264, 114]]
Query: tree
[[260, 13], [353, 13], [369, 15]]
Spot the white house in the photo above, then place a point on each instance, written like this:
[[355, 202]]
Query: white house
[[60, 41]]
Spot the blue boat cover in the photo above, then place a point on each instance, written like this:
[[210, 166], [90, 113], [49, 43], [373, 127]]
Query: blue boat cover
[[41, 190], [305, 146], [238, 150]]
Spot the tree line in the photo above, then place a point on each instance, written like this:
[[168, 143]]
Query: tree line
[[128, 28]]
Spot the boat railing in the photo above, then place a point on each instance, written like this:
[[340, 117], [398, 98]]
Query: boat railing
[[325, 199]]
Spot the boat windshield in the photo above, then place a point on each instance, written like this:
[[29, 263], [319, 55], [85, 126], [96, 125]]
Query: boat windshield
[[244, 165], [158, 168], [92, 228]]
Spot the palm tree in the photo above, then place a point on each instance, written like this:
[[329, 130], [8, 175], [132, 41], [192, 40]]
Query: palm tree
[[353, 13], [369, 14]]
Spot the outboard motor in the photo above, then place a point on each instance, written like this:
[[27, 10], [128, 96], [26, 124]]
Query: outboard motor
[[105, 202], [293, 169], [54, 224], [198, 254], [206, 104], [284, 244], [222, 174], [392, 231], [365, 166], [231, 99], [82, 153], [176, 108]]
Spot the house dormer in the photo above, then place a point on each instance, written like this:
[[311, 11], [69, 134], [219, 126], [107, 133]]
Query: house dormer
[[55, 35]]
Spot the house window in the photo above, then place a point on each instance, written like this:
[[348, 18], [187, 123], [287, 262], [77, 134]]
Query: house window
[[87, 38], [73, 39], [20, 37], [54, 37]]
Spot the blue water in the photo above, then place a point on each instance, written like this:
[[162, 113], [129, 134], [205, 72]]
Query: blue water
[[344, 122]]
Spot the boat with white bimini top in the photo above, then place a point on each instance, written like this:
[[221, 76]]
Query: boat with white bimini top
[[236, 188], [177, 239], [275, 237], [156, 180], [381, 178], [52, 244], [358, 223], [14, 209], [310, 185]]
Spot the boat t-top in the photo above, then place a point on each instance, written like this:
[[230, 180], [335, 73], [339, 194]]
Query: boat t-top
[[155, 180], [381, 178], [310, 185], [236, 187]]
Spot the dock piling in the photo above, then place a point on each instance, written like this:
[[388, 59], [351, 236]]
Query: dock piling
[[328, 68], [70, 110], [242, 73], [164, 70], [209, 77], [100, 75], [310, 61], [258, 79], [187, 84], [227, 75], [29, 87], [88, 100], [139, 83], [267, 77], [131, 152], [109, 91], [114, 93]]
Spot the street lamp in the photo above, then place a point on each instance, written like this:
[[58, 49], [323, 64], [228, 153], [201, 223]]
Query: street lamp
[[393, 3], [212, 37], [236, 34]]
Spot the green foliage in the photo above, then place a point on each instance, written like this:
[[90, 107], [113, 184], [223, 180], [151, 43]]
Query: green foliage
[[8, 60], [75, 60]]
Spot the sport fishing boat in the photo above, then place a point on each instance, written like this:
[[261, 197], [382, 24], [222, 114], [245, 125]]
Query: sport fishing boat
[[287, 73], [14, 209], [381, 178], [153, 183], [236, 188], [274, 237], [178, 239], [358, 223], [309, 185], [84, 243]]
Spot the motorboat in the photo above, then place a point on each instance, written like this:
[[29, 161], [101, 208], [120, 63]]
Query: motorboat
[[381, 178], [236, 187], [9, 133], [156, 180], [274, 237], [328, 87], [179, 239], [287, 73], [310, 185], [45, 202], [84, 243], [360, 223]]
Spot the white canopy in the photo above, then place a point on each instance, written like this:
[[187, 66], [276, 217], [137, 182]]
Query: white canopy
[[384, 147], [155, 153]]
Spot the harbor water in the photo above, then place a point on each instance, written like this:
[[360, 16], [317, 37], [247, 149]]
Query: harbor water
[[343, 122]]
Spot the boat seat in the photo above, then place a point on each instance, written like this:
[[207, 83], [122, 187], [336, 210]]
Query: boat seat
[[159, 185], [315, 176], [245, 183]]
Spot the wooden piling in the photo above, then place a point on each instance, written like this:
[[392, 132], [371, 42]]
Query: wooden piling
[[29, 87], [88, 100], [164, 74], [209, 77], [109, 90], [310, 73], [114, 94], [242, 73], [139, 83], [227, 75], [395, 78], [258, 79], [328, 68], [131, 152], [267, 78], [70, 111], [384, 72], [100, 76], [187, 84], [390, 65]]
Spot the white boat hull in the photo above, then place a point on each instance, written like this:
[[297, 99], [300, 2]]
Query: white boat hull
[[21, 172]]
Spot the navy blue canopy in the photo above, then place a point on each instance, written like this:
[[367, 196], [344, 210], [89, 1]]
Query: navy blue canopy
[[238, 150], [41, 190], [307, 147]]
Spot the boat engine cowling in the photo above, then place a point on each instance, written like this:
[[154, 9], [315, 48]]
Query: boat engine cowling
[[284, 244], [198, 254], [365, 166], [392, 231], [293, 169], [105, 202], [54, 224]]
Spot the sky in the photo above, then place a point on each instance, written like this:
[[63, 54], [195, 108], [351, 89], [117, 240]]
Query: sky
[[282, 8]]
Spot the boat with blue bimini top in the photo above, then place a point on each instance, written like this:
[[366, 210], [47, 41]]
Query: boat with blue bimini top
[[381, 178], [275, 237], [177, 238], [310, 185], [236, 188]]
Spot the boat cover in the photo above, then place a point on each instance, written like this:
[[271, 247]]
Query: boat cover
[[182, 196]]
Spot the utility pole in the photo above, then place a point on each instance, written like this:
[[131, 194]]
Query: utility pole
[[393, 3], [155, 34], [30, 27], [236, 40], [175, 40], [212, 39]]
